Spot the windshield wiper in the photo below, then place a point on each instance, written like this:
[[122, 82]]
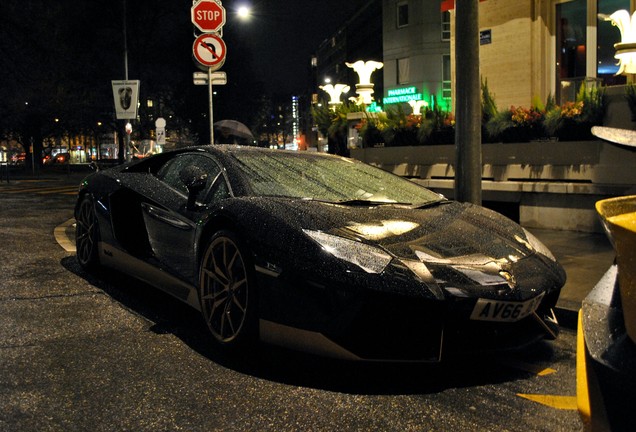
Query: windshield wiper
[[431, 203], [366, 203]]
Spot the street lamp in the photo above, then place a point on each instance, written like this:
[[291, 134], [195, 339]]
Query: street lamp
[[417, 106], [626, 48], [365, 87], [244, 12], [334, 92]]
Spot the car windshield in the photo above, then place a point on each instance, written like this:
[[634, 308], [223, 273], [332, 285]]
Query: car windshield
[[325, 178]]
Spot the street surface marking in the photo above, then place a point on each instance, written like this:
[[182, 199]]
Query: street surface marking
[[65, 190], [553, 401], [68, 190], [582, 389], [61, 237], [527, 367], [32, 180]]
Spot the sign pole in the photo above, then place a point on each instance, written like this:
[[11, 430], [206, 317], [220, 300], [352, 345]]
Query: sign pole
[[210, 93], [209, 49]]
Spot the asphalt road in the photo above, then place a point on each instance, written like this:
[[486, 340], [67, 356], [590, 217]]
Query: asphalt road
[[82, 352]]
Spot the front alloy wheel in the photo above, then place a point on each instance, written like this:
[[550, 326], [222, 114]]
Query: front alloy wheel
[[225, 291], [86, 235]]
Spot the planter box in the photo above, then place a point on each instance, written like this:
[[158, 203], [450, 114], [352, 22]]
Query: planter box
[[555, 184], [594, 162]]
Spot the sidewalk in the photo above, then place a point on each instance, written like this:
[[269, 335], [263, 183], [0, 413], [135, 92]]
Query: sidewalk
[[585, 258], [72, 174]]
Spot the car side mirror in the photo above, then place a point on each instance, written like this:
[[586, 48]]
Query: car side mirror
[[194, 179]]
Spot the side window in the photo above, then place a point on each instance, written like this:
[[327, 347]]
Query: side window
[[169, 173], [404, 70], [446, 26], [219, 191]]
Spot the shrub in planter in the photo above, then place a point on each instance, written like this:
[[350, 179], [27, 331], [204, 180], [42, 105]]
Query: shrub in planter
[[516, 124], [437, 127], [333, 124], [371, 132], [573, 121], [401, 129]]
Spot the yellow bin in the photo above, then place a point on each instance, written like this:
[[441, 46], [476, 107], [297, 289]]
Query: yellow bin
[[619, 218]]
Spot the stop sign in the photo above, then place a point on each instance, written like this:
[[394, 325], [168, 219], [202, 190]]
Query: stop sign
[[208, 15]]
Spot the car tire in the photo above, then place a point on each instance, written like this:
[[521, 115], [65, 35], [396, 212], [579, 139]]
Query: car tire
[[87, 235], [227, 292]]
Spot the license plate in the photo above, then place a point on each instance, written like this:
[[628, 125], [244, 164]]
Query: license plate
[[504, 311]]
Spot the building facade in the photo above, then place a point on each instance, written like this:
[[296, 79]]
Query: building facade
[[417, 52], [537, 48], [529, 49]]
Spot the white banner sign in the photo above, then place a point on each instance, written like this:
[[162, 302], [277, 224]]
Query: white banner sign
[[126, 96]]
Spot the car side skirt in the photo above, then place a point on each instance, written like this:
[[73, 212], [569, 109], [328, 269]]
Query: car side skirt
[[311, 342], [302, 340], [124, 262]]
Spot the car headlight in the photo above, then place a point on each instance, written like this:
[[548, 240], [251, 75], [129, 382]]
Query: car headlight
[[537, 246], [369, 258]]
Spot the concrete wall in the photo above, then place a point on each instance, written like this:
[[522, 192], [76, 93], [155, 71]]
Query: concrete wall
[[554, 184], [507, 62]]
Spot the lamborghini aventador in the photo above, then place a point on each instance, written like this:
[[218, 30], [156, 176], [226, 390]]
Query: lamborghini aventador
[[319, 253]]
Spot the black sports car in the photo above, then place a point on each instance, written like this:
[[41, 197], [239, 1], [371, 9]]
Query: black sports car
[[319, 253]]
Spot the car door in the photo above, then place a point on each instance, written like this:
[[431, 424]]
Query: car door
[[170, 225]]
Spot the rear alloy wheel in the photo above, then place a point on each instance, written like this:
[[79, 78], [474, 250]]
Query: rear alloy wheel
[[226, 291], [87, 235]]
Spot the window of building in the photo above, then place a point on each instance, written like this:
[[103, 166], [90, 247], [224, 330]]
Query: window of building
[[402, 14], [446, 77], [403, 70], [571, 39], [574, 58], [446, 26], [571, 48]]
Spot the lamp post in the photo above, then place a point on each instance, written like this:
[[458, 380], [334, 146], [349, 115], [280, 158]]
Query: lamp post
[[468, 118], [364, 88], [626, 48], [417, 105], [334, 92], [127, 155]]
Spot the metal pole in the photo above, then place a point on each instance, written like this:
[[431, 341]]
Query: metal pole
[[32, 148], [125, 45], [127, 152], [211, 106], [468, 106]]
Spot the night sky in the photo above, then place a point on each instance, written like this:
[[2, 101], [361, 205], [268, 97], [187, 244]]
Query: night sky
[[59, 57], [282, 35]]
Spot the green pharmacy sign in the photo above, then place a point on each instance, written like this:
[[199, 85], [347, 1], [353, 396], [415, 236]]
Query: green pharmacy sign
[[403, 94]]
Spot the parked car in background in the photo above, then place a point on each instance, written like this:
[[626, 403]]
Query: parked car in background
[[319, 253], [62, 158], [18, 159]]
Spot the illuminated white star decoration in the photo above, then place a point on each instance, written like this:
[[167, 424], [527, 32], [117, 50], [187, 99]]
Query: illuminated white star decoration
[[417, 106], [365, 88], [626, 48], [334, 92]]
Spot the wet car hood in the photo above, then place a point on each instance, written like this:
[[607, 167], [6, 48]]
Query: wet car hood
[[442, 232], [462, 246]]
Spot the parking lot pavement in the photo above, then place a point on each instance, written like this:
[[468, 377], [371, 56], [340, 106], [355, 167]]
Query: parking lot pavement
[[585, 258]]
